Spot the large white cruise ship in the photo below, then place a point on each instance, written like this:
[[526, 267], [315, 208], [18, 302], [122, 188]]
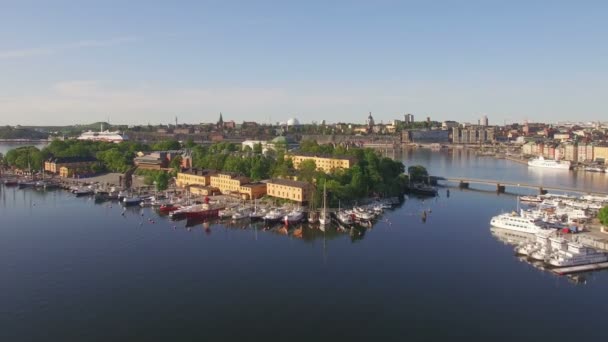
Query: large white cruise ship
[[514, 221], [549, 163], [102, 135]]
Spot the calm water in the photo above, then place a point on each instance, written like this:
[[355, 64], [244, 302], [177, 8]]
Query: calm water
[[74, 270]]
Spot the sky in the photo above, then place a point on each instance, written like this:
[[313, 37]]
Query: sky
[[140, 62]]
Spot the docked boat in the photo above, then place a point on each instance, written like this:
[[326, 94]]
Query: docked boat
[[541, 240], [203, 211], [257, 214], [554, 245], [594, 169], [26, 184], [226, 213], [576, 254], [532, 199], [361, 214], [549, 163], [274, 215], [294, 216], [514, 221], [10, 182], [344, 217], [241, 214], [129, 201], [169, 207], [84, 192]]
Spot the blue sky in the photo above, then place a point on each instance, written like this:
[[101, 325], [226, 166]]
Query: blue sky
[[65, 62]]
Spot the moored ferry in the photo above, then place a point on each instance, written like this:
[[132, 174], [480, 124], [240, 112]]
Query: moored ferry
[[549, 163]]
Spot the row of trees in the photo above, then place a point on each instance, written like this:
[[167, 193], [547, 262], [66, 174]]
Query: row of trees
[[114, 157], [372, 175]]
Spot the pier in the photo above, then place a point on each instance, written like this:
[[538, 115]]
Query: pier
[[582, 268], [464, 183]]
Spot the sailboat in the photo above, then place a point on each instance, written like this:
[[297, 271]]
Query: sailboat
[[323, 218]]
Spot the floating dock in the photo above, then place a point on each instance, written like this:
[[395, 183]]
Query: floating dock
[[582, 268]]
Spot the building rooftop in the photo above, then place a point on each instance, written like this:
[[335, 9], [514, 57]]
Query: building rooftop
[[289, 182], [319, 155], [197, 172], [251, 185]]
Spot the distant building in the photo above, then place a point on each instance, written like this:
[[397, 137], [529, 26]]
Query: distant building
[[484, 121], [425, 136], [183, 130], [409, 118], [369, 123], [570, 152], [600, 153], [472, 135], [585, 153], [324, 163], [156, 160], [289, 189], [448, 125]]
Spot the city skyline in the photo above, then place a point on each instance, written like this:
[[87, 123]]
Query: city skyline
[[137, 63]]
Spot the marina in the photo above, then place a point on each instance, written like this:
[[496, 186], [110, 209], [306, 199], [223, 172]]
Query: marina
[[195, 263]]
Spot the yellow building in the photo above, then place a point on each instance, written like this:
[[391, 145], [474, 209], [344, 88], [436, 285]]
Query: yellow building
[[228, 182], [203, 190], [324, 163], [289, 189], [194, 177], [65, 172], [600, 153], [253, 190], [54, 165]]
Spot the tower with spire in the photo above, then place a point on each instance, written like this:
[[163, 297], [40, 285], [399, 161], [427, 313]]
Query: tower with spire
[[220, 122]]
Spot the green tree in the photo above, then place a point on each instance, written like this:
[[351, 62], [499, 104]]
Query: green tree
[[176, 163], [257, 148], [603, 216], [189, 143], [167, 145], [307, 170], [25, 157], [417, 173], [162, 181]]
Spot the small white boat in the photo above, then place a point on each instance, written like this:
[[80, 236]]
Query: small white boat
[[129, 201], [294, 216]]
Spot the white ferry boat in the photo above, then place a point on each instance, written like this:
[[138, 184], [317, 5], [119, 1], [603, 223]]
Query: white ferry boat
[[554, 245], [514, 221], [577, 254], [549, 163], [102, 135]]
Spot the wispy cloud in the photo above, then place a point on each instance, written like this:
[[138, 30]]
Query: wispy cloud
[[57, 48]]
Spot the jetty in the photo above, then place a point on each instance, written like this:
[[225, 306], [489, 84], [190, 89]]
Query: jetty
[[581, 268]]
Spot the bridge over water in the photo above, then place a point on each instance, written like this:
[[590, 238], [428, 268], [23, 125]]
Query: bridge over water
[[464, 183]]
